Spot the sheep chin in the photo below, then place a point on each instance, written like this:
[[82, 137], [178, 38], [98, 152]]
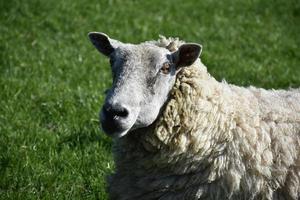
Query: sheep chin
[[118, 135]]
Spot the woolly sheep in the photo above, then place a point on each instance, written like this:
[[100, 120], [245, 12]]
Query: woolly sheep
[[209, 140]]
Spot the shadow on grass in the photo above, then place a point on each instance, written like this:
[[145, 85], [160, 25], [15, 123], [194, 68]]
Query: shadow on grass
[[82, 138], [4, 164]]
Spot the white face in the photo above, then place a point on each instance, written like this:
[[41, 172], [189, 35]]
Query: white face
[[140, 87], [143, 76]]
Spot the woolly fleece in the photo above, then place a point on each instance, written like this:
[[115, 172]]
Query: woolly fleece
[[213, 140]]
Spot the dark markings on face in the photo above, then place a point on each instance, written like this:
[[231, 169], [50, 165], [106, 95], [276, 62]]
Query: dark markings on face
[[151, 82], [155, 72], [116, 60]]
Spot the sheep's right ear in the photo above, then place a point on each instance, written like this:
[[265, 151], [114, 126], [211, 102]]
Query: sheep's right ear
[[103, 43]]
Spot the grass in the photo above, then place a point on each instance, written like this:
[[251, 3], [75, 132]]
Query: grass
[[52, 80]]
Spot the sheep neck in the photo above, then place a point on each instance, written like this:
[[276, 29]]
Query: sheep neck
[[192, 124]]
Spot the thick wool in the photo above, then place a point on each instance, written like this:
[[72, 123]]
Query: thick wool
[[213, 140]]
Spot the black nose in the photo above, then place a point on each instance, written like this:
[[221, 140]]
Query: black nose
[[115, 111]]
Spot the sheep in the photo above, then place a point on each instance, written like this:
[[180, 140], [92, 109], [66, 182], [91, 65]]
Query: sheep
[[209, 139]]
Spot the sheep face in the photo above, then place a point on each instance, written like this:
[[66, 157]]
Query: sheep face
[[143, 76]]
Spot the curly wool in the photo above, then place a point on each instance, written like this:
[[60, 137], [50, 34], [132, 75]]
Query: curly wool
[[213, 140]]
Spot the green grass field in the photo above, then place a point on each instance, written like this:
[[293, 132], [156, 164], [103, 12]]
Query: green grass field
[[52, 79]]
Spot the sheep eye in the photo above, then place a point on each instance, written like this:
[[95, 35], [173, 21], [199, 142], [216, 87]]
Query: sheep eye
[[165, 69]]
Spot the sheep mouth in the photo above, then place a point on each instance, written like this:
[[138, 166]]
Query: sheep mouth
[[112, 129], [114, 132]]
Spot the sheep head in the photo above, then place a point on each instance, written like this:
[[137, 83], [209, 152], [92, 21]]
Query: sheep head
[[143, 76]]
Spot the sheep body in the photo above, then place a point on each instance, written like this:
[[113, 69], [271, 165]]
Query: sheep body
[[213, 140]]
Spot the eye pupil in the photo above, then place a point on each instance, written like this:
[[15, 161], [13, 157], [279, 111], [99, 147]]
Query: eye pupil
[[165, 68]]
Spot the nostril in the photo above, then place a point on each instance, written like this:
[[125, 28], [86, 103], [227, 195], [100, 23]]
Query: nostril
[[116, 111], [121, 112]]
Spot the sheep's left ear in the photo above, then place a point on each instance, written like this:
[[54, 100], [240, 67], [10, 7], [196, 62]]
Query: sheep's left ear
[[187, 54]]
